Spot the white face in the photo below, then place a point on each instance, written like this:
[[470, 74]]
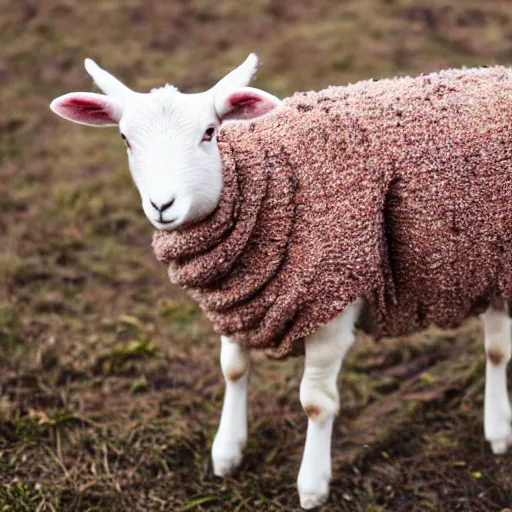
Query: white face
[[171, 141], [171, 138]]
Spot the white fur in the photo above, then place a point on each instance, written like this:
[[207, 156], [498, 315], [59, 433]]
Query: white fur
[[168, 159], [232, 433], [497, 410], [325, 351]]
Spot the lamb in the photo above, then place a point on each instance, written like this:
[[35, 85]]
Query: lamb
[[383, 199]]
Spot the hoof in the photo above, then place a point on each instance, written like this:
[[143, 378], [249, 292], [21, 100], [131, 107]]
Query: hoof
[[313, 489], [309, 501], [224, 467], [501, 441], [501, 446], [226, 455]]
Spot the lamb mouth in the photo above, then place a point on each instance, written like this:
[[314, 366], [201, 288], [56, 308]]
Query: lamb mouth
[[162, 221]]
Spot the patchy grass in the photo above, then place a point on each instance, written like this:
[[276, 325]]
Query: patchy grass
[[110, 386]]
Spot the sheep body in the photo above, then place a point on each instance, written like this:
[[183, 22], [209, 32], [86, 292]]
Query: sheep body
[[398, 191], [395, 192]]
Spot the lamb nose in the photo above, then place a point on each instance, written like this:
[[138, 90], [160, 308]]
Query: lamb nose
[[164, 206]]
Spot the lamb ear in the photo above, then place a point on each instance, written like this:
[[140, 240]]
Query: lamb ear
[[244, 103], [87, 108], [239, 77], [107, 82]]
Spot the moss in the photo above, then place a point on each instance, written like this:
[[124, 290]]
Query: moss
[[135, 349], [19, 497], [139, 386], [179, 311], [11, 266]]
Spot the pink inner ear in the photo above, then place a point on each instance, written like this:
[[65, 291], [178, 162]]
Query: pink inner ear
[[85, 109], [239, 99], [248, 105]]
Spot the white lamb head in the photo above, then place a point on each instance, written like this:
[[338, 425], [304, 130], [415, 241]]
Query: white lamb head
[[170, 137]]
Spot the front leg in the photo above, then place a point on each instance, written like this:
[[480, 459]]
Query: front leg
[[232, 433], [325, 351]]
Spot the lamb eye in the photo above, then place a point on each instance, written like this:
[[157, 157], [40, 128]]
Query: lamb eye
[[208, 134], [125, 140]]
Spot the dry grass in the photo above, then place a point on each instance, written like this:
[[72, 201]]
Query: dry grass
[[110, 387]]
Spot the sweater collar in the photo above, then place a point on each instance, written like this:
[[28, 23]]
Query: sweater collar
[[200, 253]]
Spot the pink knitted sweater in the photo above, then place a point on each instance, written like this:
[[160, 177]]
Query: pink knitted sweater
[[398, 191]]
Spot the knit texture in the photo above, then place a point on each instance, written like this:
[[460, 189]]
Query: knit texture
[[398, 191]]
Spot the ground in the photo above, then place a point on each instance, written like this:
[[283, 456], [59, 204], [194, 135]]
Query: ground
[[110, 388]]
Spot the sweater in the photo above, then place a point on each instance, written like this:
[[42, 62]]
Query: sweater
[[398, 191]]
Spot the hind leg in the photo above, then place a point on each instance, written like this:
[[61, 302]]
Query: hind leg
[[497, 410]]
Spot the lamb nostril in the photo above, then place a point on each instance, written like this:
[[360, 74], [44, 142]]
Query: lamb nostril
[[167, 205], [163, 207]]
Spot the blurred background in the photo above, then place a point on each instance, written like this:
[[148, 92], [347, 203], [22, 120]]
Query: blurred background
[[110, 389]]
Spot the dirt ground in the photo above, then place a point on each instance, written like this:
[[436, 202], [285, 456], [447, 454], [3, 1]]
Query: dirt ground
[[110, 388]]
